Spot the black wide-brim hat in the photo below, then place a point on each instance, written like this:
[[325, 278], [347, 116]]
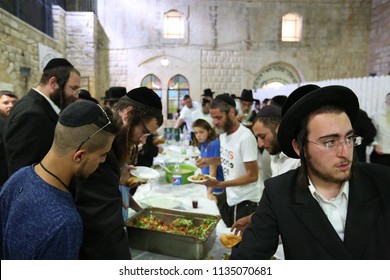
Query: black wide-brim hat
[[114, 93], [246, 95], [339, 96], [208, 92], [296, 95]]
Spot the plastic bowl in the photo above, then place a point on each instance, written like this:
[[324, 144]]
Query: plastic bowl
[[186, 170]]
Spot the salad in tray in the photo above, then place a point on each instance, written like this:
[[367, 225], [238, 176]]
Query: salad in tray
[[179, 226]]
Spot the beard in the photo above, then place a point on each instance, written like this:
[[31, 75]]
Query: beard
[[61, 100], [275, 148], [56, 97], [229, 124], [327, 176]]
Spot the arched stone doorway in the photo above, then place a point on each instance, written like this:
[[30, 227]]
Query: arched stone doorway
[[276, 75]]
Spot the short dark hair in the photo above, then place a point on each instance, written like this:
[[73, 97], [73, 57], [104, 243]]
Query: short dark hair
[[60, 73], [222, 106], [8, 93]]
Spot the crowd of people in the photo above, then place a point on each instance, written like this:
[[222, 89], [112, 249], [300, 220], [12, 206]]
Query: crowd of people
[[291, 172]]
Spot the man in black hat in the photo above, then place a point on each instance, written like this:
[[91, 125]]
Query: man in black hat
[[113, 94], [208, 94], [332, 206], [38, 217], [29, 129], [98, 198], [245, 113]]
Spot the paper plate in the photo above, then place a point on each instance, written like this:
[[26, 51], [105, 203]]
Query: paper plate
[[193, 180], [145, 172]]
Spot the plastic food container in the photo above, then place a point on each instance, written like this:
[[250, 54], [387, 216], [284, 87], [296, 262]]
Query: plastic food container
[[185, 170]]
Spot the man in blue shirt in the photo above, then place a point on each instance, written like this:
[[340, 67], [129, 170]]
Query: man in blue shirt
[[38, 217]]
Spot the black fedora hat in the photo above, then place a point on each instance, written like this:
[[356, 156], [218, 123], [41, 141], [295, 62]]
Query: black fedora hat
[[297, 94], [114, 93], [338, 96], [246, 95], [279, 100], [208, 92], [86, 95]]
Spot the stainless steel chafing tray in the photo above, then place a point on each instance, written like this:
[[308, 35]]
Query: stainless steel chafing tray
[[171, 244]]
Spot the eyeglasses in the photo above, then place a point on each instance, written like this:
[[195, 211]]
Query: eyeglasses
[[75, 91], [333, 145], [100, 129]]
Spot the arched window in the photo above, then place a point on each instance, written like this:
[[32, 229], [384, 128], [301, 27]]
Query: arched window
[[178, 87], [173, 25], [291, 27], [153, 82]]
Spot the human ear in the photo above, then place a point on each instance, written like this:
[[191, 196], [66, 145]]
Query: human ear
[[78, 156], [295, 146]]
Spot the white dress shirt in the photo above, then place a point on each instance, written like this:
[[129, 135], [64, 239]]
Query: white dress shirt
[[334, 208]]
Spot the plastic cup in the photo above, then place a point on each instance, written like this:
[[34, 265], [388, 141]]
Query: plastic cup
[[194, 204]]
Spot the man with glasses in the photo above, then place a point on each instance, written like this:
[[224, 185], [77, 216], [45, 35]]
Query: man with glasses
[[98, 198], [332, 207], [29, 129], [37, 214]]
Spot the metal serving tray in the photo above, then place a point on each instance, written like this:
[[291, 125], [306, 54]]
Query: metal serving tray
[[171, 244]]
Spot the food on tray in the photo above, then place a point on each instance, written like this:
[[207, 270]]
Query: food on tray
[[230, 240], [179, 226], [199, 177]]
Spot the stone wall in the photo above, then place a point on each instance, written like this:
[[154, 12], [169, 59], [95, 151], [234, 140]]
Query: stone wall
[[379, 40], [86, 48], [79, 37], [232, 41], [19, 48]]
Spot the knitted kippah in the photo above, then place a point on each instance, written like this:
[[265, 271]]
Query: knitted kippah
[[270, 111], [57, 62], [80, 113], [145, 96], [226, 98]]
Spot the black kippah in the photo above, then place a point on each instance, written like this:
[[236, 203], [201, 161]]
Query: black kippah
[[226, 98], [146, 97], [80, 113], [57, 62], [270, 111]]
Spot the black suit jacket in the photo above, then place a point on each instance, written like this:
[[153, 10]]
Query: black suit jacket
[[3, 162], [99, 203], [363, 127], [29, 131], [288, 208]]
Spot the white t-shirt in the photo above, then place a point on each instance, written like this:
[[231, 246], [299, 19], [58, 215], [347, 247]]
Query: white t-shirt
[[236, 149], [280, 163], [198, 114], [382, 132], [186, 114]]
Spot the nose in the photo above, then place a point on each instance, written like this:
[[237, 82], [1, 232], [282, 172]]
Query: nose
[[343, 149], [142, 139], [260, 142]]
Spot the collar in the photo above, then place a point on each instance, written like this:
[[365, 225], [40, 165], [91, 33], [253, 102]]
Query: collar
[[54, 106], [343, 191]]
